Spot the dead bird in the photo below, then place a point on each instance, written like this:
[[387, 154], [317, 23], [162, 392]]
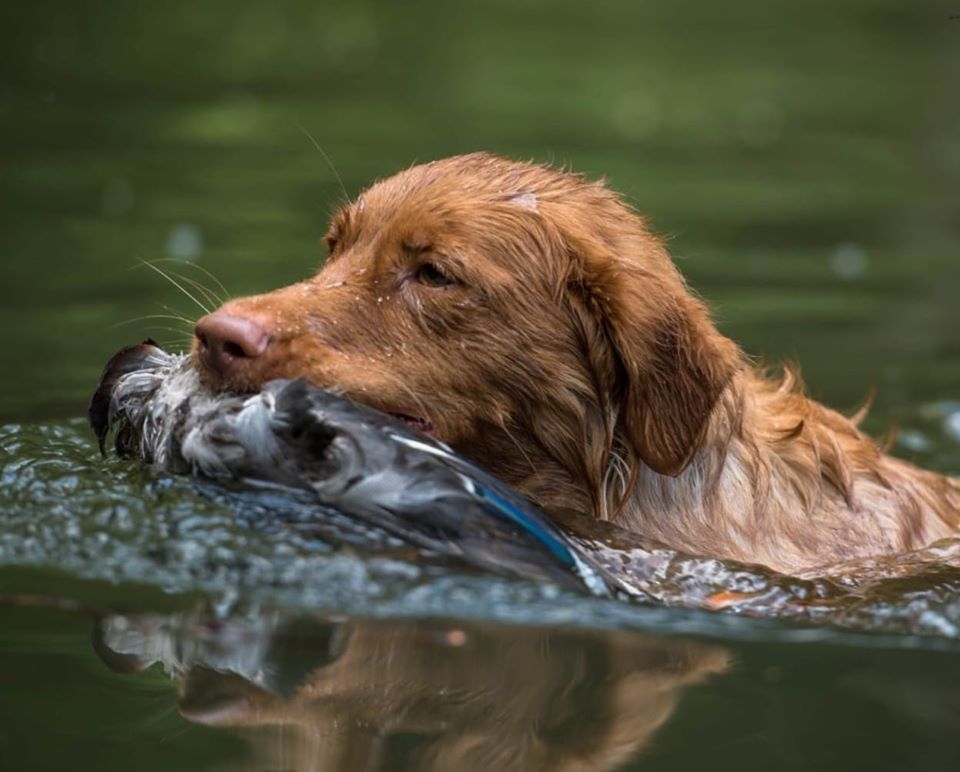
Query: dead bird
[[353, 458]]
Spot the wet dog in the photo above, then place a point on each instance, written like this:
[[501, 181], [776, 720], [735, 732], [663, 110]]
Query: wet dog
[[529, 318]]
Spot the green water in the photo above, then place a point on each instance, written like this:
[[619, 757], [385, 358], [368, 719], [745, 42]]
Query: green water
[[804, 160]]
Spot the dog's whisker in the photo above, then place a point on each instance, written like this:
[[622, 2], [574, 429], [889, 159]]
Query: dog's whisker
[[176, 284], [225, 293], [176, 313], [208, 295], [148, 317], [153, 328], [172, 344], [343, 188]]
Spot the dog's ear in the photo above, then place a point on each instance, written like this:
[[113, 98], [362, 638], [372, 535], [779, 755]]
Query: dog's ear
[[672, 363]]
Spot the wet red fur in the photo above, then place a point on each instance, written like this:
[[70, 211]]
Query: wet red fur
[[530, 319]]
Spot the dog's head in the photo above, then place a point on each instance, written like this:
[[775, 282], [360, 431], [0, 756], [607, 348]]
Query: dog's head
[[520, 313]]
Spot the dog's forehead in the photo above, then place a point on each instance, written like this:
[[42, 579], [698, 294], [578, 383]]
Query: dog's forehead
[[474, 179], [437, 201], [414, 216], [483, 210]]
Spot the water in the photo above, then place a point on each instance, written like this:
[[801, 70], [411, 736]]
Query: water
[[805, 163]]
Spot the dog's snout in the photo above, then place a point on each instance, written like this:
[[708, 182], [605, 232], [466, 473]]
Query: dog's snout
[[225, 340]]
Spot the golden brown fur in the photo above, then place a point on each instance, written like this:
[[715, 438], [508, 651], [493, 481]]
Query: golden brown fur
[[529, 318]]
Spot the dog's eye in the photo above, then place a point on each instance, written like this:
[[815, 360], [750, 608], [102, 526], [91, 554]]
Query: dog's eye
[[430, 275]]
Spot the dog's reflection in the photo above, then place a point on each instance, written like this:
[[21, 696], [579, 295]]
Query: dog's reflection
[[363, 695]]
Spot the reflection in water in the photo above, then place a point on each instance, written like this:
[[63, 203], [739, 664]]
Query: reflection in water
[[313, 693]]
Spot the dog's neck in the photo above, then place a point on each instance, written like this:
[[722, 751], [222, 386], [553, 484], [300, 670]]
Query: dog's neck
[[782, 480], [777, 479]]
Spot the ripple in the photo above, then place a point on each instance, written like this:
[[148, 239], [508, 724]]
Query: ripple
[[64, 509]]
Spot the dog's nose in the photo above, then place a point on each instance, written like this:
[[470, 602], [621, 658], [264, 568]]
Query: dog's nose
[[226, 340]]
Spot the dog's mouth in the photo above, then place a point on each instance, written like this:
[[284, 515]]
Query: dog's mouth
[[422, 425]]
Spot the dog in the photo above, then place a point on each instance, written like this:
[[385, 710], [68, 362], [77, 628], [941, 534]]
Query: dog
[[530, 319]]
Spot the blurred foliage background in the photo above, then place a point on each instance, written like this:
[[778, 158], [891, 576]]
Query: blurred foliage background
[[804, 160]]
